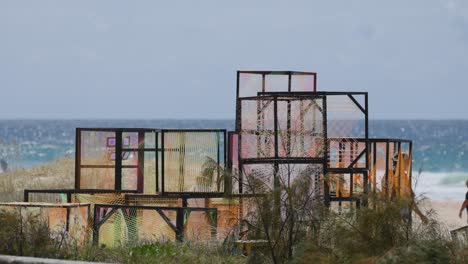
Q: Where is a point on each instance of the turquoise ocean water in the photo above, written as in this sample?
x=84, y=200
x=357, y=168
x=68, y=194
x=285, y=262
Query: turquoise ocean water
x=440, y=147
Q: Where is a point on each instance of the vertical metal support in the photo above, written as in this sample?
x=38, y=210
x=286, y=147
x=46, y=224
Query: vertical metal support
x=141, y=162
x=410, y=172
x=118, y=160
x=288, y=129
x=374, y=166
x=227, y=163
x=263, y=83
x=214, y=224
x=399, y=168
x=95, y=226
x=387, y=166
x=239, y=146
x=341, y=153
x=276, y=165
x=67, y=224
x=351, y=173
x=366, y=136
x=365, y=200
x=288, y=122
x=156, y=145
x=260, y=120
x=239, y=130
x=301, y=126
x=218, y=158
x=162, y=161
x=180, y=223
x=358, y=204
x=238, y=117
x=326, y=187
x=225, y=149
x=182, y=146
x=26, y=196
x=366, y=175
x=77, y=158
x=69, y=198
x=315, y=83
x=259, y=126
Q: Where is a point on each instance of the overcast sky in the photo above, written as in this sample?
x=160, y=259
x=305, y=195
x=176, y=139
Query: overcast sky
x=158, y=59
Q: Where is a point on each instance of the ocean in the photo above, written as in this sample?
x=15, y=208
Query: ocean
x=440, y=146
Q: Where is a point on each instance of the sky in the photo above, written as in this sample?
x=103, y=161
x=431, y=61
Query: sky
x=178, y=59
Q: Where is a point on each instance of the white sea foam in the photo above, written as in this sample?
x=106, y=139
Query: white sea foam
x=440, y=185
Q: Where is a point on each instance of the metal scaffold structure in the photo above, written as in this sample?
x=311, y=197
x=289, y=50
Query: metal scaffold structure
x=138, y=184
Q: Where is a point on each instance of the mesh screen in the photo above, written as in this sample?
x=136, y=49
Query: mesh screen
x=250, y=84
x=233, y=158
x=198, y=226
x=75, y=222
x=133, y=226
x=377, y=168
x=97, y=178
x=343, y=152
x=96, y=147
x=300, y=127
x=153, y=201
x=301, y=174
x=258, y=178
x=97, y=166
x=48, y=197
x=303, y=83
x=346, y=184
x=228, y=215
x=257, y=128
x=346, y=124
x=397, y=178
x=185, y=154
x=122, y=225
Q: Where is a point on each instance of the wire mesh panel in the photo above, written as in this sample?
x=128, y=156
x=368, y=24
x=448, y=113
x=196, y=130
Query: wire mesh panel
x=117, y=225
x=97, y=159
x=228, y=211
x=232, y=182
x=61, y=218
x=275, y=131
x=251, y=83
x=307, y=177
x=346, y=184
x=378, y=166
x=47, y=197
x=390, y=167
x=258, y=178
x=134, y=226
x=347, y=153
x=257, y=128
x=293, y=124
x=116, y=159
x=346, y=126
x=300, y=127
x=198, y=225
x=193, y=161
x=152, y=200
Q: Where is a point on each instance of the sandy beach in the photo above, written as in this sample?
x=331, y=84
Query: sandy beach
x=446, y=211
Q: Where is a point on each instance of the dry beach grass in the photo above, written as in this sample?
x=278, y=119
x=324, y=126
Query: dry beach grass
x=58, y=174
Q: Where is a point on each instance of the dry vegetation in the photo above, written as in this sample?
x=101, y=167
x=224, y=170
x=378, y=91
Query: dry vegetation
x=380, y=233
x=55, y=175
